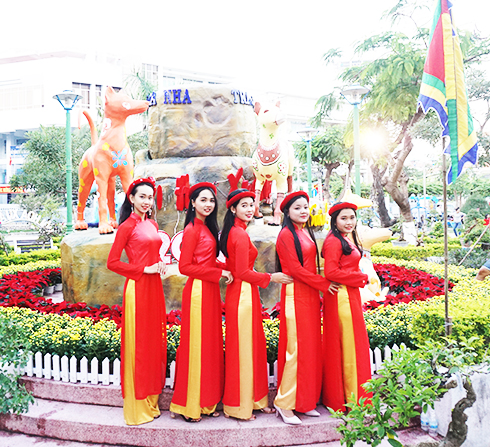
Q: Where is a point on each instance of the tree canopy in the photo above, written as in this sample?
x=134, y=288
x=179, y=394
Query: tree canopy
x=393, y=70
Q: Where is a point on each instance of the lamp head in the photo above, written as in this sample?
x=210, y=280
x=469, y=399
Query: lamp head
x=354, y=94
x=307, y=133
x=67, y=99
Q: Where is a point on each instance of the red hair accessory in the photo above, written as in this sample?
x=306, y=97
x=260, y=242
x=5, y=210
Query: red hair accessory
x=138, y=181
x=341, y=206
x=291, y=196
x=239, y=197
x=201, y=185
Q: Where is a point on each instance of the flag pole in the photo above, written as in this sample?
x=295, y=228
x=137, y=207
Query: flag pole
x=447, y=320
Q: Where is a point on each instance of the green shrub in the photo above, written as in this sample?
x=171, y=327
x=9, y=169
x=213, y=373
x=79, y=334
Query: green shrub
x=476, y=203
x=410, y=252
x=64, y=335
x=14, y=346
x=437, y=230
x=32, y=256
x=29, y=267
x=475, y=259
x=410, y=381
x=469, y=308
x=475, y=232
x=389, y=325
x=271, y=330
x=173, y=341
x=81, y=337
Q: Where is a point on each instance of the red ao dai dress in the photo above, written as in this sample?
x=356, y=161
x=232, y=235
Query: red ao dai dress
x=143, y=337
x=300, y=342
x=246, y=367
x=345, y=341
x=200, y=363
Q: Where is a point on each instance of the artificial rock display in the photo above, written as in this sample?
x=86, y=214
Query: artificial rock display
x=207, y=132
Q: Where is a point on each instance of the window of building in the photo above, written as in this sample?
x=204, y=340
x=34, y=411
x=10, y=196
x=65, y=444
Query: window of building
x=150, y=73
x=191, y=81
x=84, y=91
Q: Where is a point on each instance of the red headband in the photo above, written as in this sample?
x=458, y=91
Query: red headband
x=341, y=206
x=292, y=196
x=239, y=197
x=202, y=185
x=138, y=181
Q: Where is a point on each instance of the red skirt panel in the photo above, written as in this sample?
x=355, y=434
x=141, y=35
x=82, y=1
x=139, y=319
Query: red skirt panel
x=211, y=342
x=150, y=337
x=309, y=343
x=232, y=364
x=333, y=394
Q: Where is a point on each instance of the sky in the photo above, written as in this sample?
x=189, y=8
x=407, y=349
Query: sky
x=272, y=45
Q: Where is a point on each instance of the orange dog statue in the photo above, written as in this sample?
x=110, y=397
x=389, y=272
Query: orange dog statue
x=109, y=156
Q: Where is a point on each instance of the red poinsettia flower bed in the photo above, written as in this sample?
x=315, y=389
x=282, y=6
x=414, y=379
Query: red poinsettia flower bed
x=23, y=290
x=406, y=285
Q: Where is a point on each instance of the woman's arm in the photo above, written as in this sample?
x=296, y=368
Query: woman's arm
x=332, y=252
x=186, y=265
x=114, y=263
x=289, y=259
x=240, y=244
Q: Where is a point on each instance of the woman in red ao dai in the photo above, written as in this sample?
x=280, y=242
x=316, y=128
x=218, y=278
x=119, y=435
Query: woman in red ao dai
x=143, y=338
x=200, y=364
x=300, y=348
x=246, y=381
x=347, y=364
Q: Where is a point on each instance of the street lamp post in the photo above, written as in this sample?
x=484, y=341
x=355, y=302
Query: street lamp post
x=354, y=94
x=307, y=135
x=68, y=99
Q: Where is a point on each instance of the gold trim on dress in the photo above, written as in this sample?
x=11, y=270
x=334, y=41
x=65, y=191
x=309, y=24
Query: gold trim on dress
x=136, y=411
x=348, y=345
x=245, y=356
x=286, y=394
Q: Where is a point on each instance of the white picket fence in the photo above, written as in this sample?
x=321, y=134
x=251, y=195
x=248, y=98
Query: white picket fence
x=82, y=371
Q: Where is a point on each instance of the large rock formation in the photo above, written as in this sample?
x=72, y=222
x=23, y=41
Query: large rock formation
x=207, y=132
x=86, y=277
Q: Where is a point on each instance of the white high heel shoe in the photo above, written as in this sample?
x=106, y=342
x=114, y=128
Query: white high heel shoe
x=293, y=420
x=312, y=413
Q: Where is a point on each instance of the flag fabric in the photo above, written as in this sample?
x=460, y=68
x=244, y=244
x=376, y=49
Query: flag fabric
x=443, y=89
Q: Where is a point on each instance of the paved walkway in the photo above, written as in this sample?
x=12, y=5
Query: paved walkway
x=8, y=439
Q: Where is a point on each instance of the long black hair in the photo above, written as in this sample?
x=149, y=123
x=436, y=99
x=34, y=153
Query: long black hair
x=346, y=248
x=288, y=224
x=229, y=221
x=211, y=221
x=127, y=206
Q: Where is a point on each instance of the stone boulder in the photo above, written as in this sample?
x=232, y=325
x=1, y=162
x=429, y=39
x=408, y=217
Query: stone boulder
x=214, y=123
x=200, y=169
x=86, y=278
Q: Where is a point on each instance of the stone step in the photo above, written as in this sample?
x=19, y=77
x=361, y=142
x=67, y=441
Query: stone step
x=104, y=424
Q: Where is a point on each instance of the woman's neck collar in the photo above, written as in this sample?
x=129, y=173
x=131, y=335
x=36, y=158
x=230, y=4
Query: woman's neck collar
x=240, y=223
x=198, y=220
x=142, y=218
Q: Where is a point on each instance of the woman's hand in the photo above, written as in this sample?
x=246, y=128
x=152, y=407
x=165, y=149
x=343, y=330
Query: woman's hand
x=158, y=267
x=281, y=278
x=229, y=277
x=333, y=287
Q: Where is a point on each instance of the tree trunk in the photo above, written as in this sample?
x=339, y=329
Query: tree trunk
x=458, y=430
x=346, y=180
x=396, y=183
x=378, y=197
x=329, y=167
